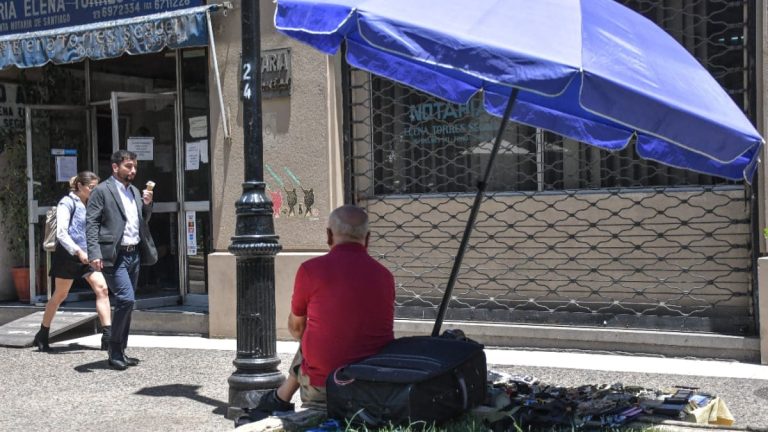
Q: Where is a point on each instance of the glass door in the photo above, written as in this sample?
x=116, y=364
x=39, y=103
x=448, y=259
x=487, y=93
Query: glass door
x=146, y=124
x=57, y=149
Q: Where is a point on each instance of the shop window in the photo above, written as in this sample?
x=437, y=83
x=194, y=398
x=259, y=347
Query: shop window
x=146, y=73
x=420, y=144
x=197, y=178
x=425, y=145
x=194, y=67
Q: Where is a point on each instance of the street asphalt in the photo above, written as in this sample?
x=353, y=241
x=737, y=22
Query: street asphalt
x=181, y=384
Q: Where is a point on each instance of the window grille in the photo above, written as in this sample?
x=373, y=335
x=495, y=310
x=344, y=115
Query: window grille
x=567, y=233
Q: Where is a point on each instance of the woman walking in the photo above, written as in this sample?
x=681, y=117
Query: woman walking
x=70, y=259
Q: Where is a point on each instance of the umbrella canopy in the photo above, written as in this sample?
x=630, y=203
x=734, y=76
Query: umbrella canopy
x=591, y=70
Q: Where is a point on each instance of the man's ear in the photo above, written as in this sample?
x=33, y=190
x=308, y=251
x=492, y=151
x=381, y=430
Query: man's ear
x=329, y=233
x=367, y=237
x=114, y=167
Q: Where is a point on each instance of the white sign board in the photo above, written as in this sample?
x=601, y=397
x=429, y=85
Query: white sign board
x=198, y=127
x=142, y=146
x=66, y=168
x=192, y=156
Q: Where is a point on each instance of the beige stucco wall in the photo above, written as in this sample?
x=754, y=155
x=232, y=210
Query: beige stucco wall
x=301, y=153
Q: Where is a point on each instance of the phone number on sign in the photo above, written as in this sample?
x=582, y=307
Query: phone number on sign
x=167, y=4
x=116, y=10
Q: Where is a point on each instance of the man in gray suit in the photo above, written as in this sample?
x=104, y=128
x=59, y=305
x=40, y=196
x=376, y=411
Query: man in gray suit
x=118, y=243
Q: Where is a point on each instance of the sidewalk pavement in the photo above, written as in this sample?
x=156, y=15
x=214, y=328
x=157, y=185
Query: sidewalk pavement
x=181, y=383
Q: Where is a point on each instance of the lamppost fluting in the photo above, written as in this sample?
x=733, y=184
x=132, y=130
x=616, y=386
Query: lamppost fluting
x=254, y=244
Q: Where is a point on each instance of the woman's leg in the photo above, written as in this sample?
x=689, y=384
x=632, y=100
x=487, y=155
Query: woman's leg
x=99, y=287
x=62, y=289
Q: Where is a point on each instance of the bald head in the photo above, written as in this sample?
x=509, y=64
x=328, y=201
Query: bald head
x=348, y=224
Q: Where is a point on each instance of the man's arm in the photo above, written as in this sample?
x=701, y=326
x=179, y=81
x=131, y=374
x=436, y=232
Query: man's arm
x=147, y=198
x=297, y=319
x=296, y=325
x=92, y=221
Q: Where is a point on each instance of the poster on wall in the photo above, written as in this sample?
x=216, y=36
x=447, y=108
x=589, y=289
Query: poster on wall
x=191, y=233
x=142, y=146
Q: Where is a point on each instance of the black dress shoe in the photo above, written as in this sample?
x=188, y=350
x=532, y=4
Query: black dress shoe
x=270, y=403
x=41, y=339
x=117, y=364
x=131, y=361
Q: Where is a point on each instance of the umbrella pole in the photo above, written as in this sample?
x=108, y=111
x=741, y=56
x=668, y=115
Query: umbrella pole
x=481, y=186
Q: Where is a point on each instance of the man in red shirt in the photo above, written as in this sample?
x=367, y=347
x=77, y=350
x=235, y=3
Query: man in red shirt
x=342, y=310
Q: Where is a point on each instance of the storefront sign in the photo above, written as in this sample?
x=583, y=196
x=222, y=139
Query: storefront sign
x=439, y=122
x=11, y=107
x=21, y=16
x=276, y=73
x=27, y=43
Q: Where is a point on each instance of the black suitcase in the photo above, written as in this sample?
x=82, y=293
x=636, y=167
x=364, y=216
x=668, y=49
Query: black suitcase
x=413, y=379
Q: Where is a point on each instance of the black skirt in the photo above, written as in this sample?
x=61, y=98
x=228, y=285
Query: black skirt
x=66, y=266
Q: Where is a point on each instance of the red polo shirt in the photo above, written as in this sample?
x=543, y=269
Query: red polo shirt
x=348, y=299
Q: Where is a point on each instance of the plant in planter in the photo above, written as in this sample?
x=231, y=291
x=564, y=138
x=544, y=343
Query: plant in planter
x=13, y=204
x=49, y=85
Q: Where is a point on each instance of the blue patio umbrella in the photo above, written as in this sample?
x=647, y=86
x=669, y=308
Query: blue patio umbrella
x=591, y=70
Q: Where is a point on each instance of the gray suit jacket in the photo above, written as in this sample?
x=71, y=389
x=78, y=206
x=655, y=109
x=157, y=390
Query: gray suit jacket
x=105, y=222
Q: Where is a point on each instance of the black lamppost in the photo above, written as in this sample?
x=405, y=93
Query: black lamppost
x=255, y=243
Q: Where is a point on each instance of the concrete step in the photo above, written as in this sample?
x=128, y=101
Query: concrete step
x=161, y=320
x=20, y=333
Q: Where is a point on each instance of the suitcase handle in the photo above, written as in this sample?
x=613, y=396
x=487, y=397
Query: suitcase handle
x=340, y=382
x=464, y=392
x=367, y=419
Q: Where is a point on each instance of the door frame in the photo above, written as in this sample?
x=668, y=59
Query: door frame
x=159, y=207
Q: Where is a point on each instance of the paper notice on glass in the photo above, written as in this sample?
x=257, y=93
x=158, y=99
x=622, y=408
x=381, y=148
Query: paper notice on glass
x=66, y=168
x=203, y=144
x=191, y=233
x=192, y=156
x=198, y=127
x=142, y=146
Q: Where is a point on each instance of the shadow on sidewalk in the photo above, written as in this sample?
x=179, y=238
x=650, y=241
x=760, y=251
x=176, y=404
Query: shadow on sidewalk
x=186, y=391
x=93, y=366
x=71, y=349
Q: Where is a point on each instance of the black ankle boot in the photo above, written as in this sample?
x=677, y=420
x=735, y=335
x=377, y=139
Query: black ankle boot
x=271, y=402
x=106, y=335
x=41, y=339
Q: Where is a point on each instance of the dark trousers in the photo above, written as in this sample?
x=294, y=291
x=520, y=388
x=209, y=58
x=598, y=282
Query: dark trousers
x=121, y=280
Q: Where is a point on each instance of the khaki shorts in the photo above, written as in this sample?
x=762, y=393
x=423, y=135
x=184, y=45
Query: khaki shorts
x=311, y=396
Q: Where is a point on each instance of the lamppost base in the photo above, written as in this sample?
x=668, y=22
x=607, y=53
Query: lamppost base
x=246, y=389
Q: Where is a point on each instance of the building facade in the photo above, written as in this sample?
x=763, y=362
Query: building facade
x=570, y=238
